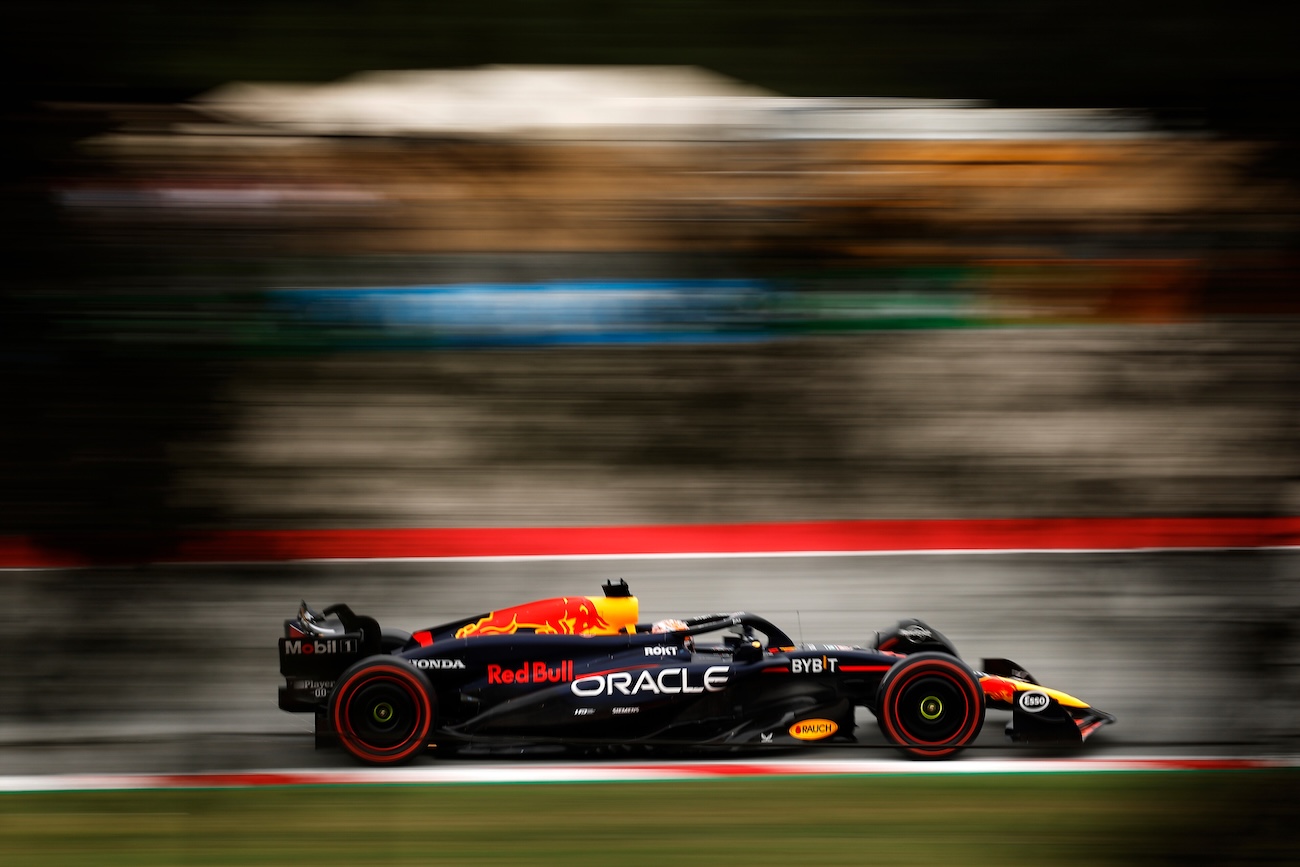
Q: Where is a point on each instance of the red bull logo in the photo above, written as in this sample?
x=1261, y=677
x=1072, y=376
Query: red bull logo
x=565, y=615
x=531, y=672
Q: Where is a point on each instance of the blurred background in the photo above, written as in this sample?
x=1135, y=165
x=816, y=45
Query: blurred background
x=276, y=264
x=269, y=264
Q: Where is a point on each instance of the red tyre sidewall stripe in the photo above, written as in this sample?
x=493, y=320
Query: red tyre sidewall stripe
x=891, y=699
x=406, y=680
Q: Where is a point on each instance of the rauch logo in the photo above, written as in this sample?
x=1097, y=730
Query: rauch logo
x=813, y=729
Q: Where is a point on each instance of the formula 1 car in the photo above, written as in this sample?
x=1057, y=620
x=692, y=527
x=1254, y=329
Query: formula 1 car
x=580, y=672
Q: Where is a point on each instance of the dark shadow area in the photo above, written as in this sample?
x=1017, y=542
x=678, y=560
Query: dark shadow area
x=97, y=410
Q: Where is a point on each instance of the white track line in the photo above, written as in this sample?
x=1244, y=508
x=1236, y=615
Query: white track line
x=532, y=773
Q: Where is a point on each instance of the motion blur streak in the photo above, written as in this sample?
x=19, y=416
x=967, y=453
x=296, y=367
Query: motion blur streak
x=592, y=772
x=289, y=286
x=884, y=536
x=689, y=299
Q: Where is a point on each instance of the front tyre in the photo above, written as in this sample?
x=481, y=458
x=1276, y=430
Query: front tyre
x=930, y=705
x=382, y=711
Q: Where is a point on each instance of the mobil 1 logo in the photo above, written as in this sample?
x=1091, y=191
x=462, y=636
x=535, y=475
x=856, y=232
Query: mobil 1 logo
x=318, y=647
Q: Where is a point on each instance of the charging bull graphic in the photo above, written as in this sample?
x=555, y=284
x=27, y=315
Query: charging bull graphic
x=563, y=615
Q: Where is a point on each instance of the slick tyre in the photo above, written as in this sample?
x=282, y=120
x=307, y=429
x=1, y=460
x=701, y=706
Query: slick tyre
x=930, y=706
x=382, y=711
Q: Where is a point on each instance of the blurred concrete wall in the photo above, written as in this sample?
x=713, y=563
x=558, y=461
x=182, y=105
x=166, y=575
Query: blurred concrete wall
x=1133, y=420
x=1171, y=420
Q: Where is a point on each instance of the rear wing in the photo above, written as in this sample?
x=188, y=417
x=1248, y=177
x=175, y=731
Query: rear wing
x=317, y=648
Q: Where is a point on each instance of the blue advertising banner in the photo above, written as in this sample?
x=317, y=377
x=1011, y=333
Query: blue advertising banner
x=552, y=313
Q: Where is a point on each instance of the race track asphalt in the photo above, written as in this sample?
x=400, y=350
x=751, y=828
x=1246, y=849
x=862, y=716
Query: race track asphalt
x=172, y=669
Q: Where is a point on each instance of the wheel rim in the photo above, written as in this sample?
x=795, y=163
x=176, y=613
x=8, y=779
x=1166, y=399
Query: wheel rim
x=383, y=713
x=931, y=708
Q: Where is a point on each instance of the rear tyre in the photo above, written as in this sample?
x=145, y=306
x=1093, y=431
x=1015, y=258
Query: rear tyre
x=930, y=706
x=382, y=711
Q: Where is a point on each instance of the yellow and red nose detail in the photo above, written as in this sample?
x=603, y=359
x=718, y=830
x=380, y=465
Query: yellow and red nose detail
x=998, y=689
x=1002, y=690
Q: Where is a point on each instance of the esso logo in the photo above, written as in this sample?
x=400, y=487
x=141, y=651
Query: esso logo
x=1034, y=702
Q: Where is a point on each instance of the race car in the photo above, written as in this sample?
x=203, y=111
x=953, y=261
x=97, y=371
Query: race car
x=579, y=672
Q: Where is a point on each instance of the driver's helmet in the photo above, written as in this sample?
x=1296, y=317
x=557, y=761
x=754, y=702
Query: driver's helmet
x=672, y=624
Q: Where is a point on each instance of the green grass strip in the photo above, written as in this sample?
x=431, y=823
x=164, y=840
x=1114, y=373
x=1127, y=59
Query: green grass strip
x=1178, y=818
